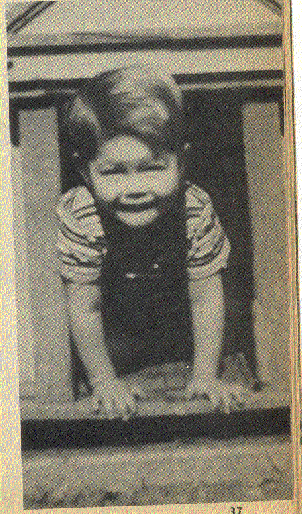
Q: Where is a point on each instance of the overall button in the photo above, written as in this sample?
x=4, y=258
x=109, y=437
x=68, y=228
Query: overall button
x=131, y=275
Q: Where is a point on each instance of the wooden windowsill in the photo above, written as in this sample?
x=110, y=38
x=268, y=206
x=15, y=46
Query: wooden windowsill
x=164, y=416
x=30, y=410
x=165, y=387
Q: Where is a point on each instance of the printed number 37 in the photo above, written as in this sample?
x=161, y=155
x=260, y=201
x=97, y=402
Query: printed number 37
x=236, y=510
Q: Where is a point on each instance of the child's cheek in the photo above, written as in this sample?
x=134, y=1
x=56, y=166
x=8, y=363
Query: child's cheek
x=168, y=183
x=107, y=188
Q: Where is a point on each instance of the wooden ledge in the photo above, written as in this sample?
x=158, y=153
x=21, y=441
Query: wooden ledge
x=165, y=388
x=165, y=406
x=164, y=416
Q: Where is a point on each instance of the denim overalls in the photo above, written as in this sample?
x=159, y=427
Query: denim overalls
x=146, y=311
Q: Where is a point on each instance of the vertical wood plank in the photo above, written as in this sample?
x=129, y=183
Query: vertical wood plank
x=267, y=195
x=41, y=186
x=25, y=331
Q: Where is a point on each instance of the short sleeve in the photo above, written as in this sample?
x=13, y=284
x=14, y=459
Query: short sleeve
x=208, y=245
x=80, y=243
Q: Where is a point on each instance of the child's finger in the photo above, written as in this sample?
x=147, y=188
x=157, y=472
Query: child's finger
x=226, y=403
x=240, y=394
x=109, y=408
x=239, y=400
x=130, y=401
x=95, y=403
x=123, y=411
x=214, y=399
x=193, y=389
x=189, y=392
x=125, y=406
x=230, y=400
x=131, y=406
x=197, y=392
x=138, y=391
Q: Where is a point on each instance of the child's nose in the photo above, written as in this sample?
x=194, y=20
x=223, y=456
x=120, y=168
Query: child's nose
x=131, y=169
x=136, y=185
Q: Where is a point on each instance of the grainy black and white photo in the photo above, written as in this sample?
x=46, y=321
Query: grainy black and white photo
x=152, y=252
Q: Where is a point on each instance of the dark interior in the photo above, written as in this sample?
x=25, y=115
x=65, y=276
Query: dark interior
x=215, y=161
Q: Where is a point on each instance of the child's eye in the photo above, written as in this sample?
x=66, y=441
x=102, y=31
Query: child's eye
x=113, y=170
x=120, y=169
x=156, y=166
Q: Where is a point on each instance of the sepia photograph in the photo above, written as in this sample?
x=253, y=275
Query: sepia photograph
x=154, y=232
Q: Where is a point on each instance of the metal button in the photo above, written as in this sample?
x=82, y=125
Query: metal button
x=131, y=275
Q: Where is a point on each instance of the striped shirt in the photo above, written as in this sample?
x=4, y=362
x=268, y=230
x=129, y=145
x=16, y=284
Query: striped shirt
x=82, y=242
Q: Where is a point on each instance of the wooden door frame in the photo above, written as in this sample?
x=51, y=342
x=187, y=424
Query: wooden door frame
x=30, y=94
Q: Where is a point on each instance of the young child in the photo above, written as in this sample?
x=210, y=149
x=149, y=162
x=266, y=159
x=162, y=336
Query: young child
x=138, y=243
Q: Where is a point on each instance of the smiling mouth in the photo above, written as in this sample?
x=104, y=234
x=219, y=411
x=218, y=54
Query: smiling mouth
x=136, y=202
x=138, y=207
x=137, y=218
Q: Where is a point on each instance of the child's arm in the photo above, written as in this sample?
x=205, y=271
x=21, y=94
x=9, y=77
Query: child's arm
x=87, y=328
x=207, y=306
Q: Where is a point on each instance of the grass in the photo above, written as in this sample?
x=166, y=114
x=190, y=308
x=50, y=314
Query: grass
x=69, y=496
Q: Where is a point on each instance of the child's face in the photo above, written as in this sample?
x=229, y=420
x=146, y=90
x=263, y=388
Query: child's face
x=132, y=181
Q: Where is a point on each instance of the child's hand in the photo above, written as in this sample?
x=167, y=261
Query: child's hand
x=221, y=394
x=116, y=397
